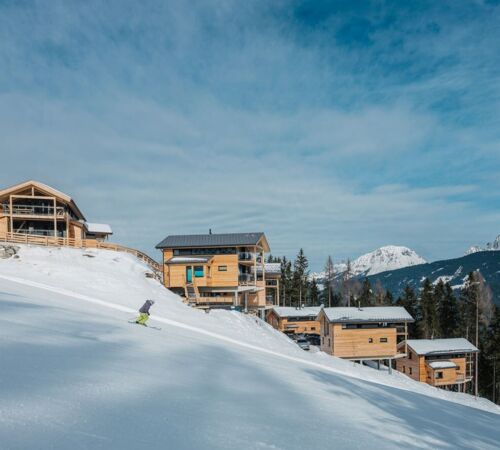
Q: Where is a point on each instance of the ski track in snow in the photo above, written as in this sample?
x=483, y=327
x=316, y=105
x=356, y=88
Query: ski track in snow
x=175, y=324
x=198, y=330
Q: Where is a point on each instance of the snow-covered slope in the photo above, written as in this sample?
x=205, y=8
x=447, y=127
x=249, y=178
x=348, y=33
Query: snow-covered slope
x=390, y=257
x=490, y=246
x=75, y=374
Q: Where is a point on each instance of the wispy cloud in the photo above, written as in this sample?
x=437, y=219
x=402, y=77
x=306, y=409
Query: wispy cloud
x=330, y=127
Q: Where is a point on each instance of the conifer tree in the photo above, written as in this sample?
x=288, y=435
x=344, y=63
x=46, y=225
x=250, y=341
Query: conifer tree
x=379, y=293
x=410, y=302
x=300, y=274
x=429, y=324
x=286, y=281
x=490, y=384
x=314, y=293
x=447, y=311
x=388, y=298
x=329, y=280
x=347, y=284
x=366, y=296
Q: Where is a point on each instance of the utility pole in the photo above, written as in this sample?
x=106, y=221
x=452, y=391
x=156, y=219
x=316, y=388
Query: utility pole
x=494, y=359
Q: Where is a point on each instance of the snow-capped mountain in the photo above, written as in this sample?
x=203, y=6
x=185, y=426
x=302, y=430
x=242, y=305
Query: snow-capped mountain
x=490, y=246
x=390, y=257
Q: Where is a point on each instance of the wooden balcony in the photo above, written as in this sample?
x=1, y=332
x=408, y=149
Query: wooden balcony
x=34, y=211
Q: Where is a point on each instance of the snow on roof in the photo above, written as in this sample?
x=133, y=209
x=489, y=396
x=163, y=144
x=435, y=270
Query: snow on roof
x=441, y=346
x=271, y=268
x=288, y=311
x=98, y=228
x=442, y=365
x=189, y=259
x=368, y=314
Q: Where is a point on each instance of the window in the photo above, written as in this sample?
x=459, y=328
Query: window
x=409, y=370
x=198, y=271
x=438, y=376
x=404, y=369
x=383, y=339
x=222, y=268
x=409, y=354
x=313, y=328
x=370, y=340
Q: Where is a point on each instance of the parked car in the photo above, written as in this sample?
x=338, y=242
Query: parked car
x=314, y=339
x=303, y=343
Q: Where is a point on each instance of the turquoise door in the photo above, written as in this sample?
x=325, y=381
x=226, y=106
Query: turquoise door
x=189, y=274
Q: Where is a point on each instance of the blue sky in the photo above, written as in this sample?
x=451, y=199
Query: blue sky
x=334, y=126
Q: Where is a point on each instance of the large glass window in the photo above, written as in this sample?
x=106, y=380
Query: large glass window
x=205, y=251
x=198, y=271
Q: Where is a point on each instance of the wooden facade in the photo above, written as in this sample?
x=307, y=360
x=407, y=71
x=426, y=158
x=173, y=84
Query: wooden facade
x=447, y=363
x=294, y=321
x=225, y=270
x=35, y=209
x=356, y=334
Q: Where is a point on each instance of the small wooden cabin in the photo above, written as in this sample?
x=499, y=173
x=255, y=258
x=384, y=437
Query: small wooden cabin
x=368, y=333
x=217, y=270
x=447, y=363
x=294, y=320
x=35, y=209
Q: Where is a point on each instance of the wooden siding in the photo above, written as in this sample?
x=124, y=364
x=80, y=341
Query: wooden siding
x=452, y=375
x=175, y=274
x=297, y=327
x=4, y=224
x=352, y=343
x=416, y=364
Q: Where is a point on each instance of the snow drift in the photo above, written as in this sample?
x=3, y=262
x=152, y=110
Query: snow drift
x=75, y=374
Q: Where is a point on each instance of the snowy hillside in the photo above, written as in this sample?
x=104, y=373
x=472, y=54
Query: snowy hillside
x=490, y=246
x=76, y=374
x=386, y=258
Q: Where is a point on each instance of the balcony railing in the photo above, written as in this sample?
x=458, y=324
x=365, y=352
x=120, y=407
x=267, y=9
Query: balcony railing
x=34, y=210
x=246, y=278
x=246, y=256
x=41, y=233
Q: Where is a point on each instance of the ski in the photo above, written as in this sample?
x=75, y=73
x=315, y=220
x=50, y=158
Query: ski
x=146, y=326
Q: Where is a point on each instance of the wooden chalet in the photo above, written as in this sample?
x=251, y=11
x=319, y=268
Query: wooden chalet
x=368, y=333
x=294, y=320
x=35, y=209
x=217, y=270
x=446, y=363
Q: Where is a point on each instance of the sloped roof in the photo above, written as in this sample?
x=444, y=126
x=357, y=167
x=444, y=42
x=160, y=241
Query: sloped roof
x=189, y=259
x=442, y=365
x=213, y=240
x=368, y=314
x=441, y=346
x=103, y=228
x=44, y=188
x=288, y=311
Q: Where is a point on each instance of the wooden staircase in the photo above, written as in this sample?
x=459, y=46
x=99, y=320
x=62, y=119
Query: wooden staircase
x=191, y=293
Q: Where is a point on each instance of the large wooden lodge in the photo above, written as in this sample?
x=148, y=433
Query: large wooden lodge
x=447, y=363
x=217, y=270
x=35, y=209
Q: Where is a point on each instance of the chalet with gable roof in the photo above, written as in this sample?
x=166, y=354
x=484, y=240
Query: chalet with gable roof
x=446, y=363
x=368, y=333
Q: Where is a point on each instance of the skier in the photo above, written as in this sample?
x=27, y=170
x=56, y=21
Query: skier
x=144, y=312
